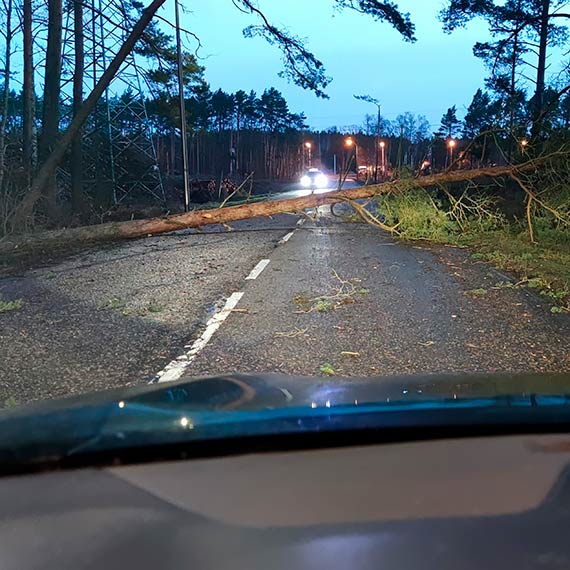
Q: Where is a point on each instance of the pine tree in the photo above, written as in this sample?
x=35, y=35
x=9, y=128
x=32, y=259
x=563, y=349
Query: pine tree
x=520, y=28
x=480, y=116
x=449, y=123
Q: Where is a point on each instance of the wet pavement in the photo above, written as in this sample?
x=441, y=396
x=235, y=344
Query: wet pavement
x=334, y=297
x=111, y=317
x=347, y=298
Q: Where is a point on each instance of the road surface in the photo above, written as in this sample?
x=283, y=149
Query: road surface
x=302, y=296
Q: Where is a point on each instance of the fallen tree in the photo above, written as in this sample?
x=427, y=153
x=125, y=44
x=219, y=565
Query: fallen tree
x=300, y=65
x=198, y=218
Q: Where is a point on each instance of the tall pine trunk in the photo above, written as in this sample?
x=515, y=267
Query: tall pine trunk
x=6, y=91
x=238, y=142
x=512, y=93
x=50, y=116
x=538, y=105
x=77, y=196
x=29, y=96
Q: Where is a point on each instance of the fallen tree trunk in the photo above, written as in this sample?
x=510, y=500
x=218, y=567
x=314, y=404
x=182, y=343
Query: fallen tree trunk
x=198, y=218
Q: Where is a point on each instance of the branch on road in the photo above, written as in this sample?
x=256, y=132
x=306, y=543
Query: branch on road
x=369, y=217
x=198, y=218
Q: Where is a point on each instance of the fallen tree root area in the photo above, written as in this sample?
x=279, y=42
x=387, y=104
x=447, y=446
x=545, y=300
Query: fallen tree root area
x=70, y=237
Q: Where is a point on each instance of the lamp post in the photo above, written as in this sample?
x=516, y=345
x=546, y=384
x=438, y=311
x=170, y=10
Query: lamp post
x=451, y=144
x=182, y=110
x=309, y=146
x=524, y=144
x=383, y=161
x=349, y=143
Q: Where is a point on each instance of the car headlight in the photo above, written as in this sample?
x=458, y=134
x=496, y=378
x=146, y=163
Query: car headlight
x=321, y=180
x=306, y=181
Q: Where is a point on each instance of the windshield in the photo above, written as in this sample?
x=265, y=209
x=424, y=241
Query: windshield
x=341, y=191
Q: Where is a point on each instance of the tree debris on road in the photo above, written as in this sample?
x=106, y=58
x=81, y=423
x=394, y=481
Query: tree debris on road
x=198, y=218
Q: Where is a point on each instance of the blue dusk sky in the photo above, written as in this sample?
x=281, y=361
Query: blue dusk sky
x=362, y=57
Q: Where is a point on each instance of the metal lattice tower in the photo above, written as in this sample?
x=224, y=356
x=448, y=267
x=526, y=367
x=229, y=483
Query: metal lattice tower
x=119, y=151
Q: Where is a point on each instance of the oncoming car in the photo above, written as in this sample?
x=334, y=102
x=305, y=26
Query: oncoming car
x=314, y=178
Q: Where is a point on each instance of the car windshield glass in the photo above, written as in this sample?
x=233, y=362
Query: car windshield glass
x=339, y=193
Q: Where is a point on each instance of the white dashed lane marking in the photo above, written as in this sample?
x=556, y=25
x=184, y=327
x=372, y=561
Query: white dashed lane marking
x=256, y=271
x=286, y=237
x=176, y=368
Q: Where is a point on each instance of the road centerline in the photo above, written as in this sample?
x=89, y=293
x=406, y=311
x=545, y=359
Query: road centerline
x=174, y=370
x=286, y=237
x=256, y=271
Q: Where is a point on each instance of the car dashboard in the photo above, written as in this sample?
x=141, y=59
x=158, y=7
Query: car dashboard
x=490, y=502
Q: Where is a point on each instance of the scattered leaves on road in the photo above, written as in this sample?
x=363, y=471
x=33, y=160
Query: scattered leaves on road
x=350, y=354
x=339, y=295
x=301, y=299
x=155, y=308
x=291, y=334
x=323, y=306
x=327, y=369
x=14, y=305
x=558, y=295
x=479, y=292
x=546, y=290
x=504, y=285
x=11, y=402
x=114, y=304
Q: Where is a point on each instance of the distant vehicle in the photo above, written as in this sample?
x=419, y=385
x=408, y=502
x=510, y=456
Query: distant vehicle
x=314, y=178
x=364, y=172
x=425, y=168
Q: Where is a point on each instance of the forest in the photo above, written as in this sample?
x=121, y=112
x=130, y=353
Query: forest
x=90, y=95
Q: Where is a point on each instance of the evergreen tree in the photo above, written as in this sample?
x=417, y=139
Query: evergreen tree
x=480, y=116
x=520, y=29
x=449, y=123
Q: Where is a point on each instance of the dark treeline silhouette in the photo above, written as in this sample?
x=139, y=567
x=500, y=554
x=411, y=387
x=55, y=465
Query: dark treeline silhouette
x=129, y=149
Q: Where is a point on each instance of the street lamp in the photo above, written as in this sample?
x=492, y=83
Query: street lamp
x=309, y=146
x=451, y=144
x=350, y=142
x=524, y=143
x=383, y=161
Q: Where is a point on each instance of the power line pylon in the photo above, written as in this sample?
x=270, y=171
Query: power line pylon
x=120, y=158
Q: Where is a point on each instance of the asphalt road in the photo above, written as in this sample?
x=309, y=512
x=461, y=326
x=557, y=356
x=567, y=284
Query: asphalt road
x=346, y=297
x=334, y=296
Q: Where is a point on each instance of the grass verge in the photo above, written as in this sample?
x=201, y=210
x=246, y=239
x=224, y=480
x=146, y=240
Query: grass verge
x=477, y=224
x=544, y=265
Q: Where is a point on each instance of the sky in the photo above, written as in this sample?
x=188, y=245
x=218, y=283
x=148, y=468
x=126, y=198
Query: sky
x=361, y=55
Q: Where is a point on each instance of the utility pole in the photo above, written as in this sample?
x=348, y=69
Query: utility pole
x=182, y=110
x=376, y=145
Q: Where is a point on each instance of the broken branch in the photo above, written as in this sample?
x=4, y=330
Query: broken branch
x=198, y=218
